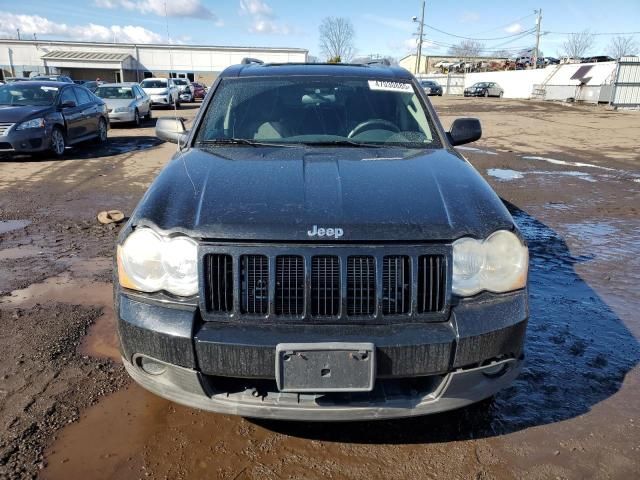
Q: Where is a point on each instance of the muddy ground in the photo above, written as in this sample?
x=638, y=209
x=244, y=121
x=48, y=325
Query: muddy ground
x=570, y=176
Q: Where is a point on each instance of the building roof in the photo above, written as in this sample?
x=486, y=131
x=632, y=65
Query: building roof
x=84, y=55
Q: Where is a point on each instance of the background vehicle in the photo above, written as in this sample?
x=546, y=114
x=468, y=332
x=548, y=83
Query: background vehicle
x=41, y=116
x=431, y=87
x=52, y=78
x=484, y=89
x=199, y=90
x=126, y=102
x=185, y=89
x=88, y=84
x=213, y=303
x=16, y=79
x=162, y=91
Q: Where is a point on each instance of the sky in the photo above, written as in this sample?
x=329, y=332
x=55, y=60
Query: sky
x=382, y=27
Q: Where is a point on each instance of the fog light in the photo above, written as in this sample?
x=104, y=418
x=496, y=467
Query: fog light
x=496, y=370
x=151, y=366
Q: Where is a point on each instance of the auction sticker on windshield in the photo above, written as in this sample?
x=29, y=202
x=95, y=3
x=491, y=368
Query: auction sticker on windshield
x=388, y=86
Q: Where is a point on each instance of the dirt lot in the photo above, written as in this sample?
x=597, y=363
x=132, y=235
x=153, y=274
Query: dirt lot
x=569, y=174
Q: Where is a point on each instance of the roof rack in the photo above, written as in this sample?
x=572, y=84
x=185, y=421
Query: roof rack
x=249, y=61
x=382, y=61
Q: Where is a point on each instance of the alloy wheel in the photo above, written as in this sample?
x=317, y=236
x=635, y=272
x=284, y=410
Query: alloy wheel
x=57, y=142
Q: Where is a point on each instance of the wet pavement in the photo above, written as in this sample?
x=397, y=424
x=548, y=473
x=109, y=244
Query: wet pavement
x=572, y=413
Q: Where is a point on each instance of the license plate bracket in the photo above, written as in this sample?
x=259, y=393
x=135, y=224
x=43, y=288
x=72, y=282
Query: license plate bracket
x=325, y=367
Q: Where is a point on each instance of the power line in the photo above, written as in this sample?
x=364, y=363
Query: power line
x=531, y=30
x=591, y=33
x=506, y=24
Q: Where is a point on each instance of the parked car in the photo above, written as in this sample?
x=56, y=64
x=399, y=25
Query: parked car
x=15, y=79
x=199, y=91
x=89, y=84
x=185, y=89
x=126, y=102
x=162, y=91
x=484, y=89
x=597, y=59
x=431, y=87
x=319, y=251
x=52, y=78
x=524, y=60
x=39, y=116
x=551, y=61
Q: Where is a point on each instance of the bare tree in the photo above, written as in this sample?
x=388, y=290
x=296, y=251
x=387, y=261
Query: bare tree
x=336, y=38
x=577, y=44
x=467, y=49
x=621, y=46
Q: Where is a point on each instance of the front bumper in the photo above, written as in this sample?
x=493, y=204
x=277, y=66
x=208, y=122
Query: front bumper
x=422, y=368
x=25, y=141
x=160, y=99
x=474, y=94
x=120, y=117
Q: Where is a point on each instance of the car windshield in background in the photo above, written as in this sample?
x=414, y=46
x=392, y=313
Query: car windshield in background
x=318, y=111
x=153, y=84
x=180, y=82
x=426, y=83
x=481, y=84
x=27, y=94
x=114, y=92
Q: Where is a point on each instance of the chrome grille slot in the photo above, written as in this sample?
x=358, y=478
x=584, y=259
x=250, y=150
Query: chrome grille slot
x=431, y=283
x=254, y=283
x=219, y=283
x=325, y=286
x=396, y=285
x=361, y=285
x=289, y=285
x=5, y=127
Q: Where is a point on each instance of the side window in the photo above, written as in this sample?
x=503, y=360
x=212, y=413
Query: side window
x=67, y=95
x=83, y=96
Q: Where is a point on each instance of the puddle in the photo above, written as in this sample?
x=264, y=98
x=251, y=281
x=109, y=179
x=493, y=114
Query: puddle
x=22, y=251
x=504, y=174
x=564, y=162
x=101, y=340
x=476, y=150
x=11, y=225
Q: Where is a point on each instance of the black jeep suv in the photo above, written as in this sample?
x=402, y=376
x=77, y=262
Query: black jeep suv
x=317, y=250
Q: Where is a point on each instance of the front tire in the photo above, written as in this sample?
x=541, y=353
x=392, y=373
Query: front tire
x=58, y=143
x=102, y=131
x=148, y=115
x=137, y=121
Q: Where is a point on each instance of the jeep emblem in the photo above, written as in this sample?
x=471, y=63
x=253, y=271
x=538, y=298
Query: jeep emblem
x=325, y=232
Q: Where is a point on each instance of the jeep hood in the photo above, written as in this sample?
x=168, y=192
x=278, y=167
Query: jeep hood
x=267, y=193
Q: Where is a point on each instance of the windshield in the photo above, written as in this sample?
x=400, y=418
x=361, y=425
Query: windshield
x=318, y=110
x=27, y=94
x=114, y=92
x=154, y=84
x=481, y=84
x=428, y=83
x=180, y=82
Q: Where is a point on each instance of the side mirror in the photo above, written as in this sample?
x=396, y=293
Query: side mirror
x=464, y=130
x=171, y=130
x=68, y=104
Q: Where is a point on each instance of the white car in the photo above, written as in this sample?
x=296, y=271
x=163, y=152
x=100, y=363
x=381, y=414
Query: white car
x=163, y=91
x=185, y=89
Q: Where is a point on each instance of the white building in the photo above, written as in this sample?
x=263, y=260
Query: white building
x=130, y=62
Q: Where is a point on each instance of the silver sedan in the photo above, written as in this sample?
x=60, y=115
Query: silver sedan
x=126, y=102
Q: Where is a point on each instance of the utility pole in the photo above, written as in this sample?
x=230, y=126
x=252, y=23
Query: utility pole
x=538, y=22
x=420, y=38
x=18, y=30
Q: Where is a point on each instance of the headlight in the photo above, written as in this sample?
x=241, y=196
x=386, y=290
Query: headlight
x=498, y=264
x=149, y=263
x=123, y=109
x=35, y=123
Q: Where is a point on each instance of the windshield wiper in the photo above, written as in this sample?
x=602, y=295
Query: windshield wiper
x=241, y=141
x=342, y=143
